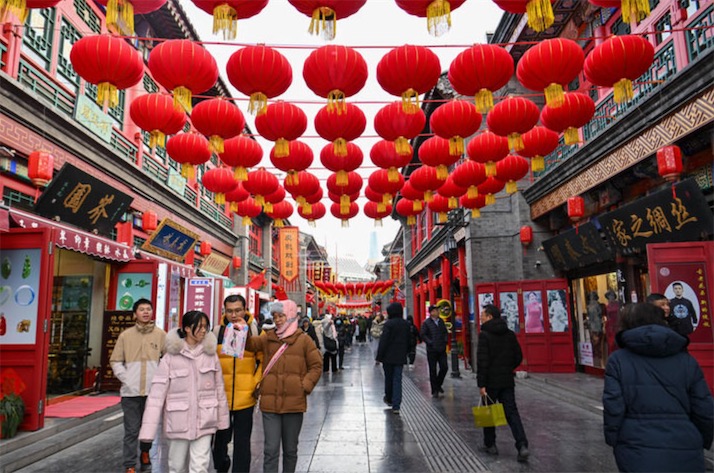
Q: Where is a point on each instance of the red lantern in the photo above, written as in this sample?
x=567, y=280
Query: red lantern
x=426, y=180
x=440, y=205
x=352, y=186
x=238, y=194
x=540, y=12
x=126, y=9
x=538, y=142
x=261, y=183
x=337, y=198
x=487, y=148
x=511, y=118
x=475, y=204
x=377, y=197
x=371, y=210
x=248, y=209
x=341, y=164
x=669, y=162
x=19, y=9
x=489, y=187
x=576, y=112
x=454, y=121
x=259, y=72
x=469, y=175
x=436, y=152
x=307, y=184
x=40, y=166
x=149, y=221
x=281, y=211
x=576, y=208
x=550, y=65
x=339, y=127
x=526, y=235
x=512, y=169
x=281, y=122
x=205, y=248
x=344, y=213
x=415, y=196
x=409, y=71
x=335, y=73
x=617, y=62
x=384, y=155
x=379, y=182
x=479, y=71
x=275, y=197
x=405, y=208
x=188, y=149
x=298, y=159
x=226, y=13
x=311, y=200
x=183, y=67
x=436, y=12
x=108, y=62
x=393, y=123
x=218, y=119
x=315, y=212
x=155, y=113
x=241, y=152
x=452, y=191
x=219, y=181
x=236, y=262
x=632, y=10
x=325, y=13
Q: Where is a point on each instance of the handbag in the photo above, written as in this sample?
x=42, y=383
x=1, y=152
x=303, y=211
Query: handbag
x=330, y=344
x=489, y=415
x=256, y=390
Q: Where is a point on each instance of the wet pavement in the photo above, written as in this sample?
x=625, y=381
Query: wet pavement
x=348, y=428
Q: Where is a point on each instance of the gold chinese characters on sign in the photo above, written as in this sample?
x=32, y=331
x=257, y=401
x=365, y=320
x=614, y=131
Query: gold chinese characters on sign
x=289, y=253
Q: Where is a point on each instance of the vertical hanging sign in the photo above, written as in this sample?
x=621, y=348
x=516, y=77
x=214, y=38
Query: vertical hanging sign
x=289, y=253
x=395, y=267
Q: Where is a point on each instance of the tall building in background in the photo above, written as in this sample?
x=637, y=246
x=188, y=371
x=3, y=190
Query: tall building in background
x=373, y=253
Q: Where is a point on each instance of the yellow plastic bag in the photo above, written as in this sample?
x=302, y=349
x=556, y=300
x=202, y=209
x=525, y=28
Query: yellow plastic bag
x=489, y=415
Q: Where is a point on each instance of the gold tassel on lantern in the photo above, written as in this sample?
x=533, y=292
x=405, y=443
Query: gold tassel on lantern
x=411, y=220
x=107, y=93
x=120, y=9
x=490, y=199
x=341, y=179
x=387, y=199
x=381, y=206
x=293, y=179
x=225, y=20
x=540, y=15
x=571, y=136
x=336, y=102
x=259, y=199
x=157, y=137
x=241, y=174
x=401, y=146
x=538, y=164
x=182, y=99
x=258, y=103
x=345, y=204
x=188, y=171
x=282, y=148
x=428, y=196
x=515, y=142
x=340, y=147
x=443, y=217
x=483, y=100
x=636, y=10
x=307, y=208
x=623, y=91
x=267, y=207
x=511, y=187
x=234, y=206
x=392, y=175
x=278, y=223
x=17, y=8
x=554, y=96
x=300, y=201
x=453, y=203
x=442, y=172
x=472, y=192
x=438, y=17
x=220, y=198
x=417, y=206
x=215, y=144
x=246, y=221
x=325, y=19
x=490, y=169
x=475, y=213
x=410, y=101
x=456, y=146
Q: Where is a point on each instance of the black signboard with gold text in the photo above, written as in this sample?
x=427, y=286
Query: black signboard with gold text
x=577, y=248
x=115, y=322
x=171, y=240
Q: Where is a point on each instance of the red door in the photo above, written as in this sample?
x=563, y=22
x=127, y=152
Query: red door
x=26, y=269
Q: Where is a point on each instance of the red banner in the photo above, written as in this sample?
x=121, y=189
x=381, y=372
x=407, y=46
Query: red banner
x=289, y=245
x=396, y=267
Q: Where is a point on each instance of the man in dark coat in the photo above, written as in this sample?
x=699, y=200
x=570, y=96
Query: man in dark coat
x=392, y=353
x=497, y=356
x=435, y=335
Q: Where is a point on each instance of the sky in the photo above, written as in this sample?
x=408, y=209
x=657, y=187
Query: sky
x=378, y=27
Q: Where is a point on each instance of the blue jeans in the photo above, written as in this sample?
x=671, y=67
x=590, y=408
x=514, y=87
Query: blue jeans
x=393, y=384
x=507, y=397
x=277, y=428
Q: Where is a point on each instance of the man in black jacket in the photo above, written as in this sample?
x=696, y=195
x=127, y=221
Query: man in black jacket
x=497, y=356
x=435, y=335
x=392, y=353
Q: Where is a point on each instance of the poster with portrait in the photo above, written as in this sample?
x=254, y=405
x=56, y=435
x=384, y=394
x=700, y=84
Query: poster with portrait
x=533, y=304
x=509, y=309
x=557, y=311
x=484, y=299
x=686, y=288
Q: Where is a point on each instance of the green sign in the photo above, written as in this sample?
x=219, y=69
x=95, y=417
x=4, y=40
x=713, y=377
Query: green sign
x=89, y=114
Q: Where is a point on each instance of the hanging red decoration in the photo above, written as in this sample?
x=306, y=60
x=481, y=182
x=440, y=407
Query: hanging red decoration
x=489, y=188
x=307, y=184
x=384, y=155
x=436, y=12
x=340, y=127
x=149, y=221
x=248, y=209
x=189, y=150
x=241, y=153
x=281, y=122
x=344, y=213
x=238, y=194
x=110, y=63
x=281, y=211
x=469, y=175
x=512, y=169
x=475, y=204
x=550, y=65
x=335, y=73
x=218, y=119
x=632, y=10
x=526, y=235
x=155, y=114
x=236, y=262
x=452, y=191
x=299, y=158
x=487, y=148
x=576, y=208
x=415, y=196
x=260, y=72
x=409, y=71
x=376, y=197
x=261, y=183
x=405, y=208
x=479, y=71
x=311, y=200
x=669, y=162
x=440, y=205
x=183, y=67
x=455, y=121
x=511, y=118
x=380, y=183
x=219, y=181
x=337, y=198
x=435, y=152
x=393, y=123
x=19, y=9
x=540, y=12
x=277, y=196
x=352, y=186
x=537, y=143
x=315, y=212
x=205, y=248
x=226, y=13
x=617, y=62
x=372, y=211
x=325, y=13
x=425, y=179
x=577, y=110
x=120, y=13
x=341, y=164
x=40, y=166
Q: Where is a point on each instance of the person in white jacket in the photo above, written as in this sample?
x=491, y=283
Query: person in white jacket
x=188, y=392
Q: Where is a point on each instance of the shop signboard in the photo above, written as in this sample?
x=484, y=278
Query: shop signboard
x=75, y=197
x=171, y=240
x=676, y=214
x=289, y=253
x=200, y=294
x=115, y=322
x=215, y=264
x=577, y=248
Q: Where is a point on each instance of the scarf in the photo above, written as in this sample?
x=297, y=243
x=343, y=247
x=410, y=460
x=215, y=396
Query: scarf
x=290, y=326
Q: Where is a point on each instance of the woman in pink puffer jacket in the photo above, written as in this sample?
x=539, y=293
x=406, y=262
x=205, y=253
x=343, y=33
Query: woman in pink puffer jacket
x=187, y=390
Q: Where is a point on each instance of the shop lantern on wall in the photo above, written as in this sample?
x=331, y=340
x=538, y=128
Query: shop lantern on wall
x=436, y=12
x=669, y=162
x=205, y=248
x=40, y=166
x=237, y=262
x=576, y=208
x=259, y=72
x=149, y=221
x=226, y=13
x=526, y=235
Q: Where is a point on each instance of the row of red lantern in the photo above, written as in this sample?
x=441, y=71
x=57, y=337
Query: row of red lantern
x=374, y=288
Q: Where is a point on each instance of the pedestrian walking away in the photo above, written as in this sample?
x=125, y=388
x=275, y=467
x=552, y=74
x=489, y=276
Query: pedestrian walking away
x=435, y=335
x=658, y=410
x=134, y=361
x=330, y=345
x=240, y=376
x=497, y=356
x=392, y=353
x=414, y=340
x=188, y=394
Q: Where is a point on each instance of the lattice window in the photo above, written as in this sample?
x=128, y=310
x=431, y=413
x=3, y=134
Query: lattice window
x=700, y=39
x=68, y=36
x=663, y=26
x=653, y=4
x=37, y=40
x=150, y=85
x=619, y=27
x=117, y=113
x=10, y=196
x=85, y=12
